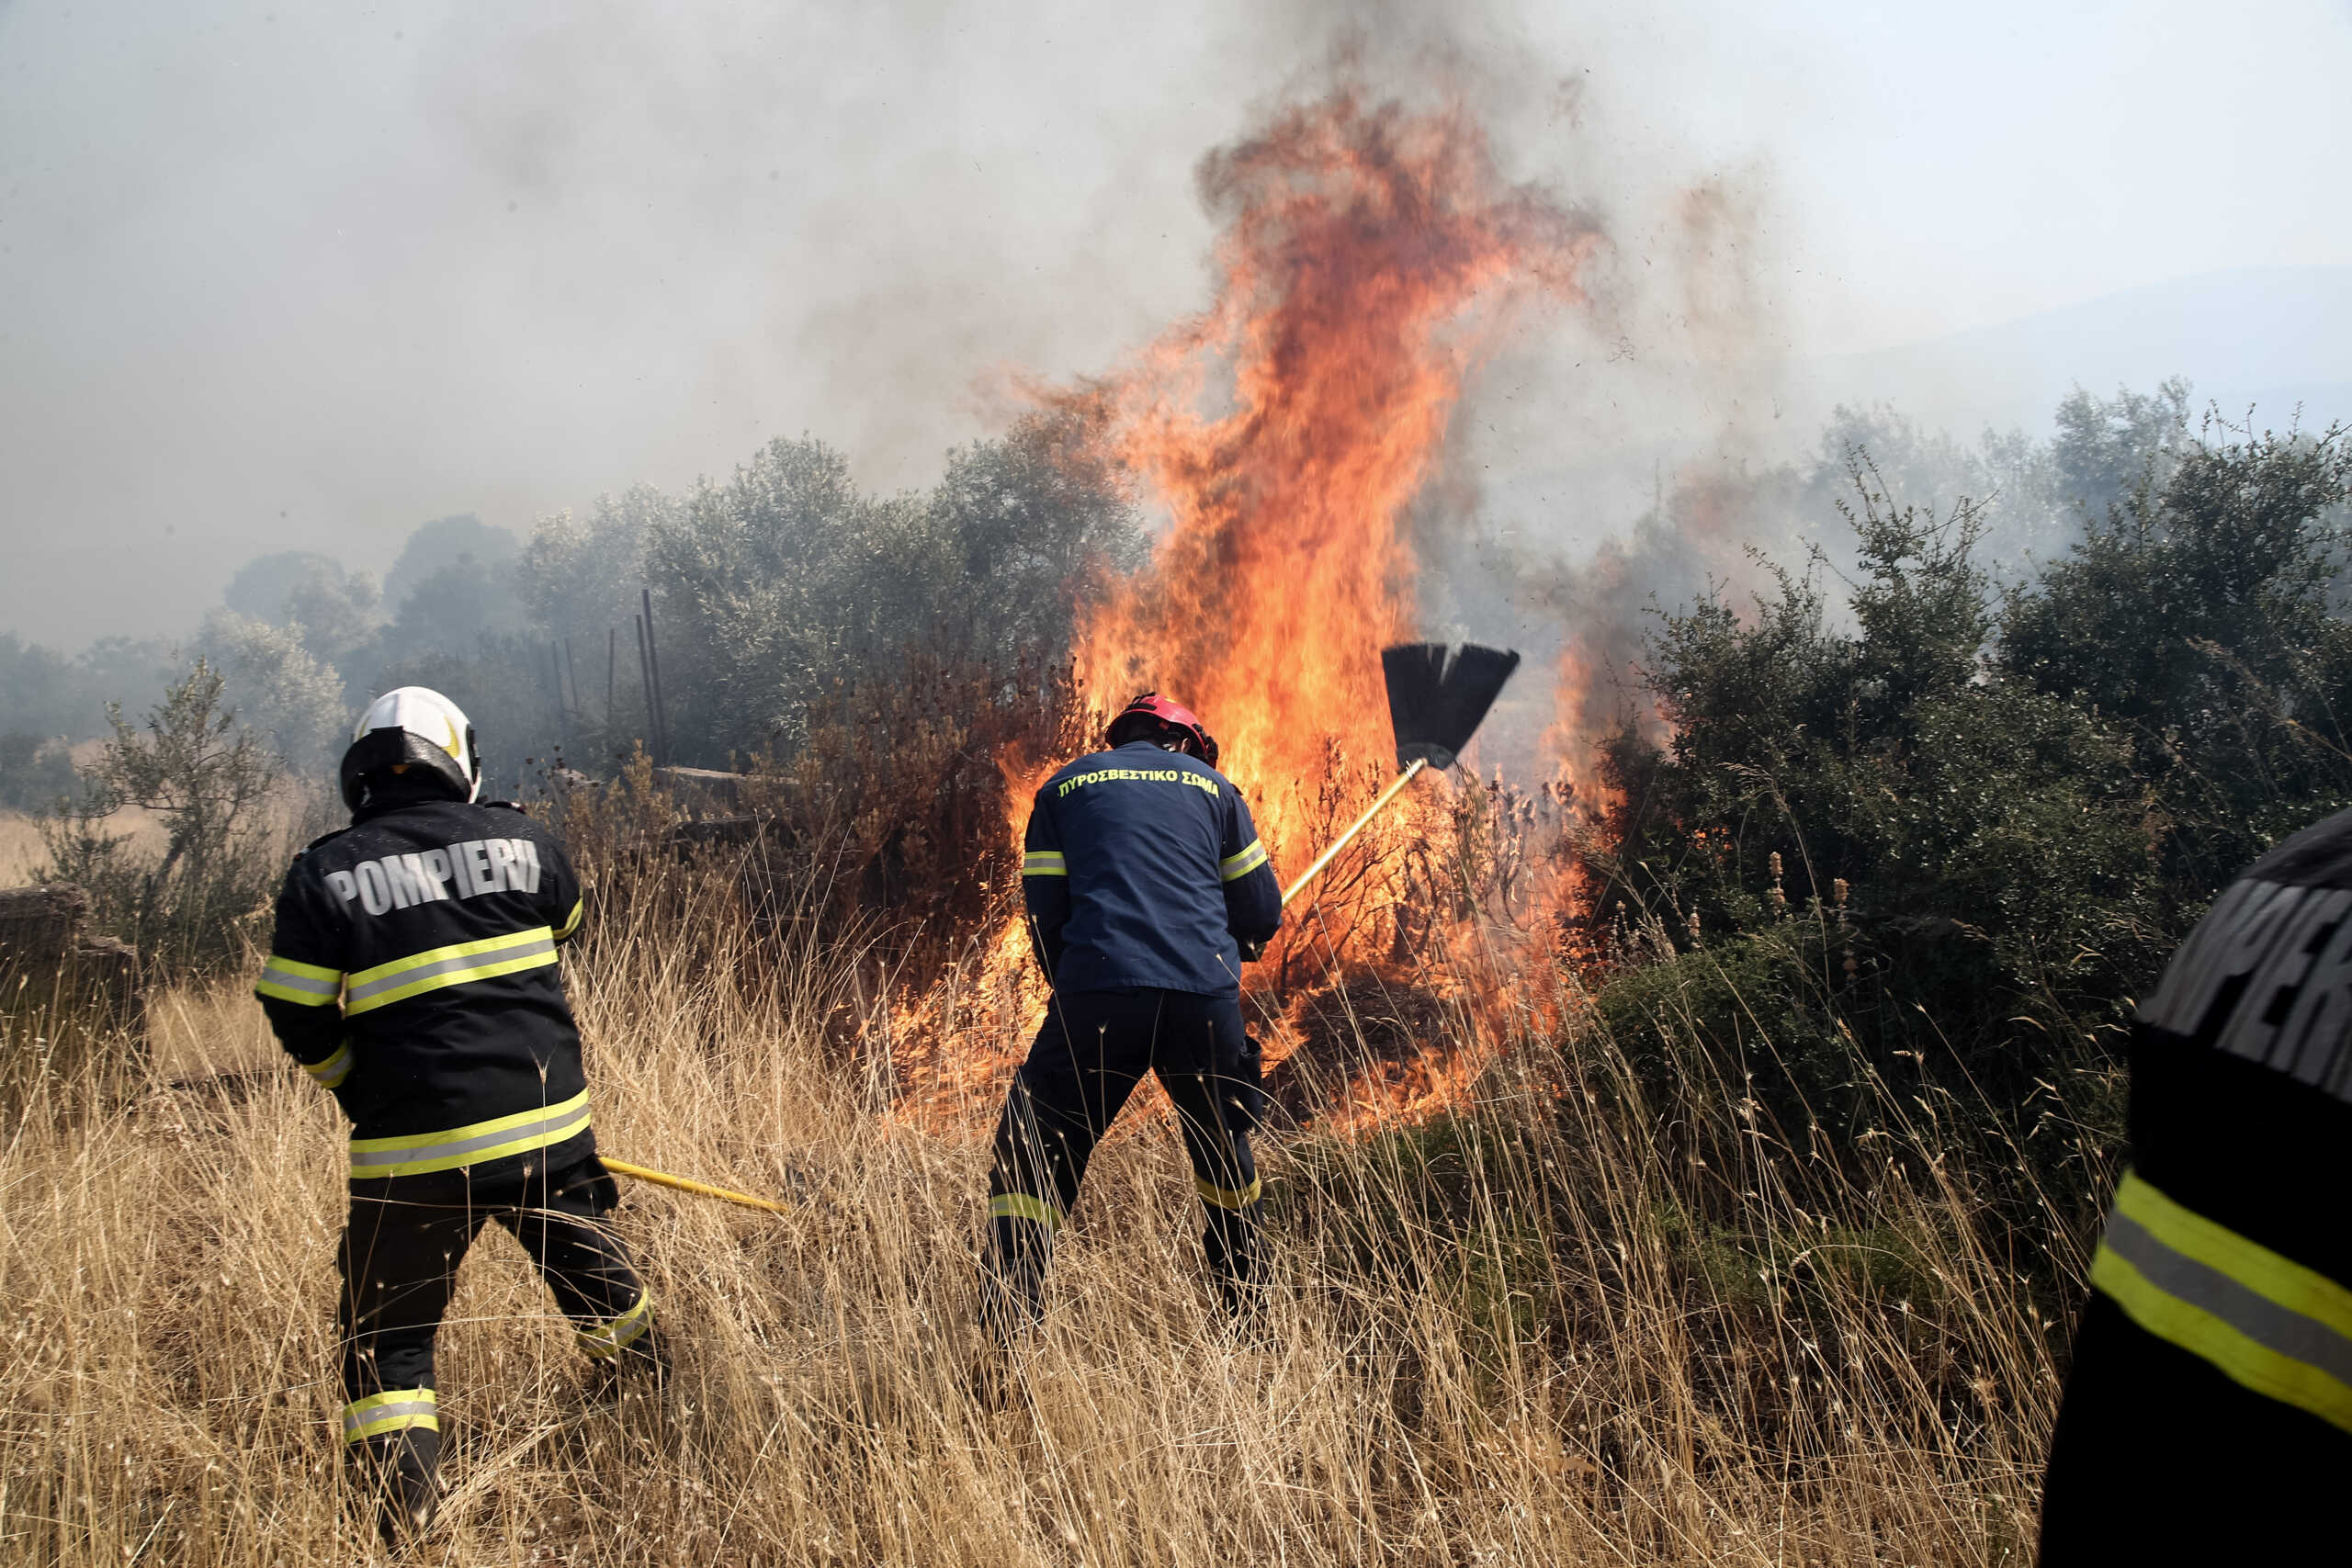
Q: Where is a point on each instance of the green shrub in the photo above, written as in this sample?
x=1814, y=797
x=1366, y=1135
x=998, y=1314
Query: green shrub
x=1923, y=862
x=36, y=772
x=216, y=788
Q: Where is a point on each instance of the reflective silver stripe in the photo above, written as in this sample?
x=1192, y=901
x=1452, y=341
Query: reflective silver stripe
x=438, y=1151
x=540, y=945
x=2273, y=1327
x=1236, y=866
x=389, y=1412
x=278, y=974
x=611, y=1339
x=303, y=985
x=334, y=1069
x=354, y=1420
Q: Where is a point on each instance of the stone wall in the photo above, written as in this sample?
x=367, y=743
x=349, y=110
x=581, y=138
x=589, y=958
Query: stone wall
x=59, y=980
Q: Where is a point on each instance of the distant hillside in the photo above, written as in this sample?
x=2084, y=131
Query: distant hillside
x=2271, y=337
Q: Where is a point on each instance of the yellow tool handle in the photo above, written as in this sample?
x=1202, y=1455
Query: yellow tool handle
x=664, y=1179
x=1341, y=841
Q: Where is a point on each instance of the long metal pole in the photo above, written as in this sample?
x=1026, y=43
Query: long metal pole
x=683, y=1184
x=1341, y=841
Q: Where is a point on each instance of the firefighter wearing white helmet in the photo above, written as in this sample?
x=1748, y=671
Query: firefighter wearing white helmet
x=414, y=974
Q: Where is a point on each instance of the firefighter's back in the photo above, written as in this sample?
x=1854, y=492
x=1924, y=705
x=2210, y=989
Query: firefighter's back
x=1147, y=839
x=2211, y=1403
x=442, y=918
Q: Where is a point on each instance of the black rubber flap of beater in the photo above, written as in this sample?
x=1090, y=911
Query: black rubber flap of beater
x=1438, y=693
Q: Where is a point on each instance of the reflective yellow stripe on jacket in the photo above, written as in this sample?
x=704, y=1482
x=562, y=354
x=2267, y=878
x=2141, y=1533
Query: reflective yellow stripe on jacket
x=2266, y=1321
x=453, y=965
x=331, y=1073
x=1234, y=867
x=416, y=1154
x=304, y=985
x=1044, y=862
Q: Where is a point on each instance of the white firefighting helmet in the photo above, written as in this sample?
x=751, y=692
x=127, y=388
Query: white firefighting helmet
x=410, y=731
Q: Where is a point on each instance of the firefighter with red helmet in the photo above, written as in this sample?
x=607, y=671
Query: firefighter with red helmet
x=414, y=974
x=1147, y=888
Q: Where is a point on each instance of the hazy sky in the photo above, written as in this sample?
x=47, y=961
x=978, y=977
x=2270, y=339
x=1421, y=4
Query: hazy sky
x=280, y=275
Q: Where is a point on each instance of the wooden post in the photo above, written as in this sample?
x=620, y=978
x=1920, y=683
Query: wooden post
x=645, y=681
x=653, y=663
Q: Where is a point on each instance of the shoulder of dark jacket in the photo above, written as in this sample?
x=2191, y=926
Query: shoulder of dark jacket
x=1227, y=788
x=505, y=805
x=322, y=840
x=2319, y=856
x=1097, y=762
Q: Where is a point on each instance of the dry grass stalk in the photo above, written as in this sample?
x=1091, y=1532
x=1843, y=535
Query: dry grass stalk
x=21, y=854
x=1501, y=1339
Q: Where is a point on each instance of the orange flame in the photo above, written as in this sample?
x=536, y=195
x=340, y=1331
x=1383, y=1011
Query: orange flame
x=1370, y=255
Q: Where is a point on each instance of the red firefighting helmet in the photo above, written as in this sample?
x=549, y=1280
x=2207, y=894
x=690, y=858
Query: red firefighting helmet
x=1153, y=718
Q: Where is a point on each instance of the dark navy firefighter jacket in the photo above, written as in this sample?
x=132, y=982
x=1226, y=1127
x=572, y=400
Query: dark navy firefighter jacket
x=1143, y=871
x=413, y=973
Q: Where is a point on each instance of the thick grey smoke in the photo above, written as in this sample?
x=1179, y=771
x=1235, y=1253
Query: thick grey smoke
x=300, y=278
x=278, y=277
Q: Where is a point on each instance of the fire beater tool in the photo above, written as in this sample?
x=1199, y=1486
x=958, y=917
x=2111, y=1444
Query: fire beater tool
x=1437, y=696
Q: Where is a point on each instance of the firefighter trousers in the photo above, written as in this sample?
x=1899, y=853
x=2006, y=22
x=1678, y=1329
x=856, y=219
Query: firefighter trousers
x=1094, y=1048
x=399, y=1256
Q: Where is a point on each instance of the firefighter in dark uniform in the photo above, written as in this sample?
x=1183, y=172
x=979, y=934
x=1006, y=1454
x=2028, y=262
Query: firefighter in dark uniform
x=2208, y=1418
x=414, y=974
x=1147, y=888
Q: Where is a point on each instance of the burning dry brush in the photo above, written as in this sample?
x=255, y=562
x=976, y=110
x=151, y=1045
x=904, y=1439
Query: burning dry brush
x=890, y=845
x=1372, y=254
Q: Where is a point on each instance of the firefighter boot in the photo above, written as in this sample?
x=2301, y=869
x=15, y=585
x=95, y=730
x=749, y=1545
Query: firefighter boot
x=990, y=1381
x=1236, y=1255
x=397, y=1470
x=639, y=1370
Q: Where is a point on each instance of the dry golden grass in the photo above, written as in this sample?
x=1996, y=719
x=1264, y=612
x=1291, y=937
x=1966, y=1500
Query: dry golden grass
x=23, y=857
x=1522, y=1368
x=21, y=854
